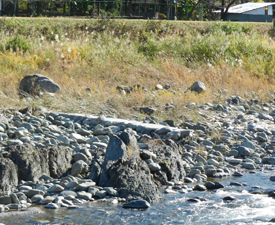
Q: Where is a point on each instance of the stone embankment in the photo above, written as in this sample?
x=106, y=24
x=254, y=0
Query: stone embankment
x=62, y=160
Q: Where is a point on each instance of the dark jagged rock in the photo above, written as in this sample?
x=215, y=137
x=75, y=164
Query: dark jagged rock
x=95, y=171
x=33, y=162
x=59, y=161
x=133, y=177
x=123, y=168
x=8, y=176
x=170, y=161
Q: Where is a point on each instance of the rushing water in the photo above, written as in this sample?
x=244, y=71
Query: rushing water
x=174, y=209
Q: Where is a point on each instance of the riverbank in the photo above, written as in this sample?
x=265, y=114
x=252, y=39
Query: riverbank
x=87, y=158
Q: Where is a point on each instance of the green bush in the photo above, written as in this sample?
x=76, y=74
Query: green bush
x=18, y=43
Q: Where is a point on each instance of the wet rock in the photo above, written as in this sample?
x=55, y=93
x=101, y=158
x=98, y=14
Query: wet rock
x=229, y=198
x=237, y=174
x=137, y=204
x=200, y=187
x=235, y=184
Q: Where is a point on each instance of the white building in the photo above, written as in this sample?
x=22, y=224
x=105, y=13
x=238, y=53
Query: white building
x=251, y=12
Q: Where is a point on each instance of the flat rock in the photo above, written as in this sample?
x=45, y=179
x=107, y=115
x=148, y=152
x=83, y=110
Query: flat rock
x=137, y=204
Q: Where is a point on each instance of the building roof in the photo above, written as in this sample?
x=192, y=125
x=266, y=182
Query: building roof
x=246, y=7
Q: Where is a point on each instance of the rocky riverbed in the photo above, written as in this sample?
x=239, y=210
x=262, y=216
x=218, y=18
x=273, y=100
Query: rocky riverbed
x=64, y=160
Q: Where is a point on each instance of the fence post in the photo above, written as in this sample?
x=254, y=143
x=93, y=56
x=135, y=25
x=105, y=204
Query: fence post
x=121, y=13
x=32, y=7
x=14, y=10
x=155, y=9
x=69, y=8
x=201, y=12
x=186, y=12
x=139, y=9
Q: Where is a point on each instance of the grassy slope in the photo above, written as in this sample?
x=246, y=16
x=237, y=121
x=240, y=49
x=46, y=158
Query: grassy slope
x=230, y=58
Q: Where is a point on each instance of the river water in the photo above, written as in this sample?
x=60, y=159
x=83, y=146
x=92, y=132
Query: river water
x=173, y=209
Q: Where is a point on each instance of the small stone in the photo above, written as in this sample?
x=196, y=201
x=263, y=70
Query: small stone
x=56, y=188
x=46, y=200
x=14, y=198
x=84, y=195
x=52, y=206
x=37, y=198
x=237, y=174
x=154, y=167
x=101, y=194
x=111, y=191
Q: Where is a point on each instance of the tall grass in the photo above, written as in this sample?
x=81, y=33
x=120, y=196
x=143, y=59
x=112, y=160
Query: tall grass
x=230, y=58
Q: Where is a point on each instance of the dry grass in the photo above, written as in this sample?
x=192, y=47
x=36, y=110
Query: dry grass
x=100, y=55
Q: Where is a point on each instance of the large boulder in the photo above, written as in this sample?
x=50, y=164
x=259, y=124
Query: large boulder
x=8, y=176
x=33, y=84
x=124, y=169
x=33, y=162
x=198, y=87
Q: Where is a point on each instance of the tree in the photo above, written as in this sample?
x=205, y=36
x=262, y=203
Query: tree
x=224, y=9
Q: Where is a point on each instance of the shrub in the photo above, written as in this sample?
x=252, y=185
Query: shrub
x=18, y=43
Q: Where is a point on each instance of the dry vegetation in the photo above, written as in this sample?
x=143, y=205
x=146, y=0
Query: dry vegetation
x=230, y=58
